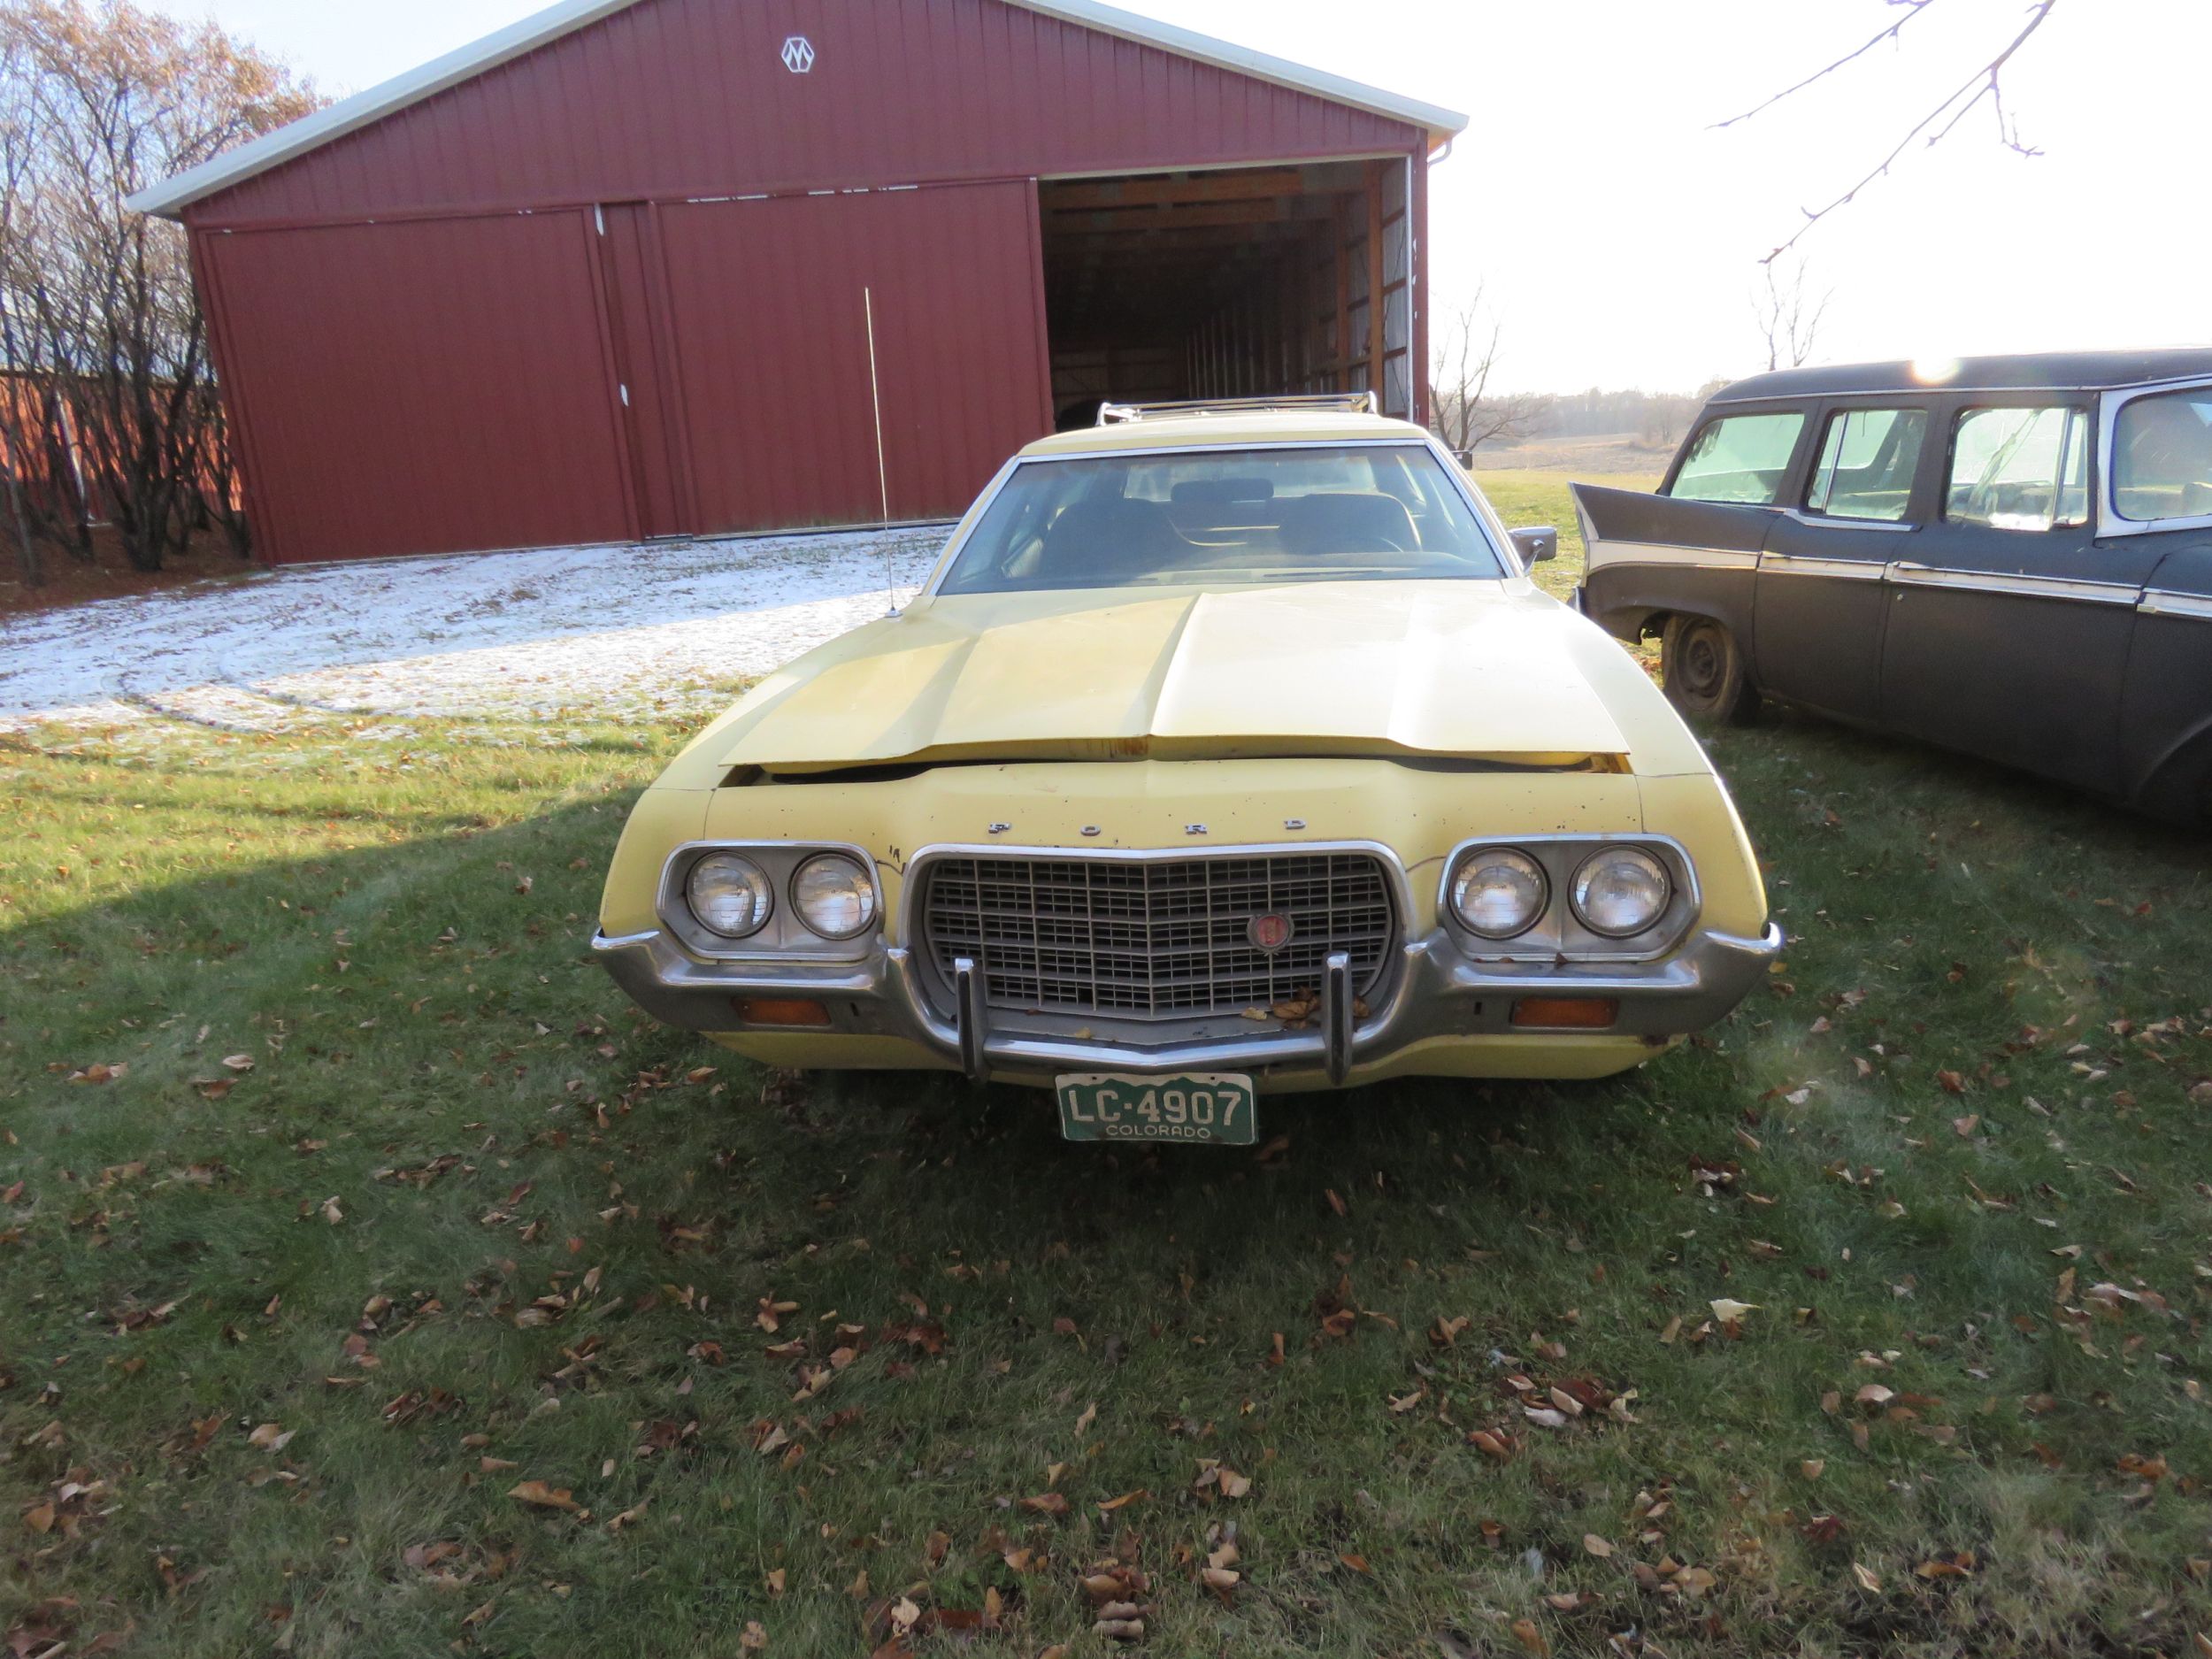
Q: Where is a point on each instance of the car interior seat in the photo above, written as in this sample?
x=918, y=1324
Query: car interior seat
x=1109, y=536
x=1348, y=521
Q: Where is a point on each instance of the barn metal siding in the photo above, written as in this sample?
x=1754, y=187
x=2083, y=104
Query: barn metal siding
x=613, y=287
x=448, y=389
x=672, y=99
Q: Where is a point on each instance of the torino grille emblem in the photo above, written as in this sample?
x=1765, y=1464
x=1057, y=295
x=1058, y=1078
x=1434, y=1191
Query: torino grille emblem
x=1270, y=934
x=798, y=54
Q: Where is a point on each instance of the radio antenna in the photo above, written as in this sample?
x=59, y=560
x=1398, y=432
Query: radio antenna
x=883, y=484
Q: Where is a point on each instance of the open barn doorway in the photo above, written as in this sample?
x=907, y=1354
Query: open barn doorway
x=1250, y=281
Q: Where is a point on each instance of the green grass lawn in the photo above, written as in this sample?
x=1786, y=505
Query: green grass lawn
x=377, y=1282
x=1542, y=498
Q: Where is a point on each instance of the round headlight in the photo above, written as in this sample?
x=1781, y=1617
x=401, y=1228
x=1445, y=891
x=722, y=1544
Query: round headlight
x=1497, y=892
x=833, y=896
x=730, y=894
x=1621, y=890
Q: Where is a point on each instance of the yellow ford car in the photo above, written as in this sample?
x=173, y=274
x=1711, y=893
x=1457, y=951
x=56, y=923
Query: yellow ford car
x=1227, y=750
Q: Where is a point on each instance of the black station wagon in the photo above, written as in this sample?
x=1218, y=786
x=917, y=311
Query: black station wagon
x=2007, y=556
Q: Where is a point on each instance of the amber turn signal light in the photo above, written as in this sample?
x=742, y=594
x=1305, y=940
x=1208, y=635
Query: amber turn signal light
x=780, y=1011
x=1567, y=1013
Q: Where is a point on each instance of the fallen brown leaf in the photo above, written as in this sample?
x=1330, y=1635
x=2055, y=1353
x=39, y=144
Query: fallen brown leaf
x=543, y=1495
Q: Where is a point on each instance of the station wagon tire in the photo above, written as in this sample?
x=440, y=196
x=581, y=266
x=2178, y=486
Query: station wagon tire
x=1702, y=670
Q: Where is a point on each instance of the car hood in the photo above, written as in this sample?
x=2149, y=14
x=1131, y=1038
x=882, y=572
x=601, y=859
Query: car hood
x=1484, y=671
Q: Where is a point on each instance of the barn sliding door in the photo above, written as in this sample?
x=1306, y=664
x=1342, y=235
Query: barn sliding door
x=421, y=387
x=768, y=329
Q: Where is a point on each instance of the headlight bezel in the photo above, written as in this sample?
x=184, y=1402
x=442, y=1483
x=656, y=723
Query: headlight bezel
x=784, y=936
x=1559, y=933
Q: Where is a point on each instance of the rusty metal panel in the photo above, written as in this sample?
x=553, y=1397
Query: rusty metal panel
x=670, y=99
x=421, y=387
x=770, y=325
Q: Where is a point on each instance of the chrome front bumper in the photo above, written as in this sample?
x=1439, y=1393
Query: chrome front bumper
x=1438, y=992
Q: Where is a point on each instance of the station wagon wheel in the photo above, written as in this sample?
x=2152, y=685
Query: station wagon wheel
x=1702, y=670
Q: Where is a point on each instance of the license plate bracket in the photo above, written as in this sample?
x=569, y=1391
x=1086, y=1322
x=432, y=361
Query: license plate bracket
x=1182, y=1108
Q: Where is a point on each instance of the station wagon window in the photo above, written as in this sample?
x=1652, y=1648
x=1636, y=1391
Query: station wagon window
x=2162, y=456
x=1867, y=463
x=2020, y=469
x=1739, y=458
x=1208, y=517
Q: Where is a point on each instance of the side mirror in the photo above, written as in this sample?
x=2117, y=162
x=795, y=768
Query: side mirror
x=1535, y=543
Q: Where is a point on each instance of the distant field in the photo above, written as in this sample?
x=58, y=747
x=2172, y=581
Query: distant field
x=1619, y=452
x=1536, y=496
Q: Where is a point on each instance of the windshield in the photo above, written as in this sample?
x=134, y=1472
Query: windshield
x=1271, y=515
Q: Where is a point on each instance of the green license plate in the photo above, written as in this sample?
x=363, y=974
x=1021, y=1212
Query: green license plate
x=1211, y=1108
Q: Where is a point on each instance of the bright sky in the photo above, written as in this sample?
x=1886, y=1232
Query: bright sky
x=1616, y=235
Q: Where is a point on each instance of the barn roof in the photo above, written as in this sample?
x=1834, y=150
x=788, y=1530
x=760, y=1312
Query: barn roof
x=170, y=197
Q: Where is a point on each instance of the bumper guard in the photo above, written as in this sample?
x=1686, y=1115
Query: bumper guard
x=1438, y=992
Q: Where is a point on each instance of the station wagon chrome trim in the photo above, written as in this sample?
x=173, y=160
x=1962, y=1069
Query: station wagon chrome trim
x=1907, y=574
x=1845, y=521
x=1835, y=570
x=1652, y=553
x=2160, y=602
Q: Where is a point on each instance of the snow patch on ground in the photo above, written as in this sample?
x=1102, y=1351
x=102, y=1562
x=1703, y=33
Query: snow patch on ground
x=615, y=632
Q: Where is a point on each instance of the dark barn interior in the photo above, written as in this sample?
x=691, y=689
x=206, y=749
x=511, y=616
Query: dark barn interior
x=1238, y=282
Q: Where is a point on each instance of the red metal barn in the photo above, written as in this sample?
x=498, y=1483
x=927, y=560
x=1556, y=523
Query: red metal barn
x=636, y=268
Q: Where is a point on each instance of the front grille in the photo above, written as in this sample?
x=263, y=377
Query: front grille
x=1154, y=938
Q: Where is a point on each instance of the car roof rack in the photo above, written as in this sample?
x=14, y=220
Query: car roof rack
x=1111, y=414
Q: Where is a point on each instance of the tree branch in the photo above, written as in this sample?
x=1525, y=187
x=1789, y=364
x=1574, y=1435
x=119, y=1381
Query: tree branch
x=1986, y=82
x=1889, y=34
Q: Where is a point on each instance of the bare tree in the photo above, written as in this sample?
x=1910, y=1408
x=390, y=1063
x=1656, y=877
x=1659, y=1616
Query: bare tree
x=1985, y=85
x=1788, y=318
x=99, y=319
x=1464, y=413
